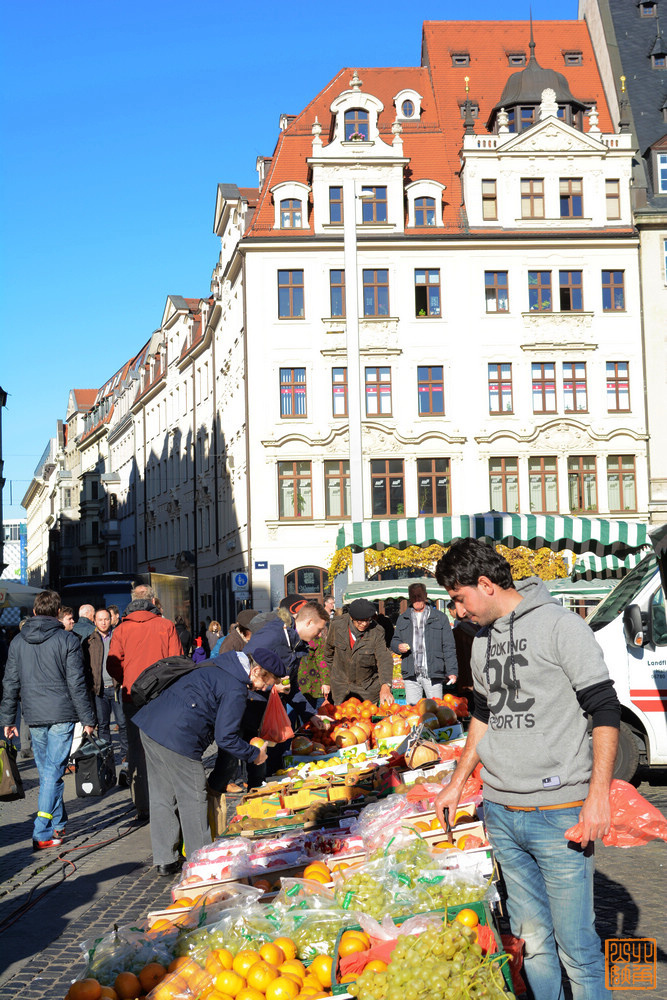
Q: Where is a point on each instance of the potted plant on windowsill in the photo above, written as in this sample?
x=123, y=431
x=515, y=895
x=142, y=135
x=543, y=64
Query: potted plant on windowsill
x=357, y=137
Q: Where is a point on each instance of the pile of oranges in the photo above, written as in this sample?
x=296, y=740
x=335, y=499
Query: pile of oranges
x=271, y=973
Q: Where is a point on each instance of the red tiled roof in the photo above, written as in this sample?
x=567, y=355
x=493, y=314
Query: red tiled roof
x=251, y=195
x=84, y=398
x=433, y=143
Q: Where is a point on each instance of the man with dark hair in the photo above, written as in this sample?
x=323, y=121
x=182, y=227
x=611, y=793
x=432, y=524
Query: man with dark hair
x=424, y=640
x=66, y=616
x=115, y=615
x=357, y=656
x=45, y=670
x=537, y=673
x=142, y=638
x=105, y=689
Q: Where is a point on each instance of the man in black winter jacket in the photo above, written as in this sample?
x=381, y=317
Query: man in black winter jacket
x=45, y=670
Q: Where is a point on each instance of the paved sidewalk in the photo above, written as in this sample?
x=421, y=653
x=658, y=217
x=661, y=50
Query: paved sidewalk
x=94, y=887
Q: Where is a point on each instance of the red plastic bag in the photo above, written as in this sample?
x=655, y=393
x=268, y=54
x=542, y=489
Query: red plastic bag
x=275, y=725
x=634, y=821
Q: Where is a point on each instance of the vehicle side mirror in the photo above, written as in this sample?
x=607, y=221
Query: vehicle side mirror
x=635, y=626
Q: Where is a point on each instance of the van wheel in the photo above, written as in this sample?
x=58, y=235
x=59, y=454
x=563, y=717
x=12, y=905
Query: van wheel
x=627, y=757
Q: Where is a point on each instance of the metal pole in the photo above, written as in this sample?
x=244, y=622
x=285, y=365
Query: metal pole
x=353, y=363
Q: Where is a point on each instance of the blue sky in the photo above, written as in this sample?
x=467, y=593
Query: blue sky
x=118, y=122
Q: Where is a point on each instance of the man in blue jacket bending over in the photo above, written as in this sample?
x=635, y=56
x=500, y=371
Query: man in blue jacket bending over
x=176, y=728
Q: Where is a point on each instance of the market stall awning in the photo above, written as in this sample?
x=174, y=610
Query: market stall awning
x=536, y=531
x=382, y=590
x=589, y=566
x=16, y=595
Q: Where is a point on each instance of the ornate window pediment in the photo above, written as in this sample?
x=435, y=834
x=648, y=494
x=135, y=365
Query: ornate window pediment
x=408, y=104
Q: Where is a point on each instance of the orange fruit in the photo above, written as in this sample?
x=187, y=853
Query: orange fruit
x=359, y=934
x=319, y=876
x=293, y=965
x=422, y=826
x=467, y=917
x=249, y=993
x=272, y=953
x=260, y=975
x=349, y=978
x=85, y=989
x=178, y=963
x=169, y=988
x=108, y=993
x=320, y=967
x=151, y=975
x=341, y=866
x=244, y=960
x=198, y=979
x=287, y=946
x=127, y=986
x=229, y=982
x=350, y=946
x=375, y=966
x=163, y=924
x=218, y=960
x=311, y=983
x=214, y=994
x=282, y=988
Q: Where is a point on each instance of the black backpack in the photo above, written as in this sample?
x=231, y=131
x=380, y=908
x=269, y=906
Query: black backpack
x=154, y=679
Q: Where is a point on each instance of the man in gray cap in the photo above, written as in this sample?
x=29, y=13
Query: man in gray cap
x=357, y=656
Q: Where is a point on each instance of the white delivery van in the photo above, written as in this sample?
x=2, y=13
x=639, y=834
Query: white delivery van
x=630, y=626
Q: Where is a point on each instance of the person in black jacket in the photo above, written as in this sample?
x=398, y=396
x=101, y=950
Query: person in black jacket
x=423, y=638
x=176, y=729
x=45, y=670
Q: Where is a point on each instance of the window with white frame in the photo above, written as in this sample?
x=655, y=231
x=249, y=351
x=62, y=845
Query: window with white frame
x=290, y=202
x=408, y=104
x=424, y=203
x=661, y=173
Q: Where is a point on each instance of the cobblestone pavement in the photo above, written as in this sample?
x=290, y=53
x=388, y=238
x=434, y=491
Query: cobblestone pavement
x=52, y=902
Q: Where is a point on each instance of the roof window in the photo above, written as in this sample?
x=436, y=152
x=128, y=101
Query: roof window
x=408, y=104
x=648, y=9
x=474, y=109
x=516, y=58
x=460, y=58
x=573, y=58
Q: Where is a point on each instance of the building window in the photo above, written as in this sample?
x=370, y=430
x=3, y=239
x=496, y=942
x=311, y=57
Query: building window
x=95, y=532
x=489, y=200
x=337, y=292
x=94, y=489
x=571, y=198
x=337, y=488
x=573, y=58
x=339, y=392
x=504, y=484
x=582, y=484
x=424, y=211
x=433, y=483
x=519, y=119
x=543, y=484
x=661, y=169
x=649, y=9
x=293, y=392
x=376, y=292
x=290, y=294
x=113, y=506
x=613, y=291
x=539, y=291
x=621, y=483
x=374, y=208
x=430, y=390
x=500, y=388
x=427, y=292
x=516, y=58
x=544, y=387
x=378, y=392
x=387, y=487
x=570, y=291
x=407, y=109
x=659, y=60
x=575, y=389
x=460, y=59
x=532, y=198
x=356, y=124
x=612, y=190
x=496, y=291
x=336, y=205
x=295, y=490
x=618, y=386
x=290, y=213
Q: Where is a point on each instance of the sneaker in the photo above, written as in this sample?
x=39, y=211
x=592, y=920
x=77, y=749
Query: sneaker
x=123, y=776
x=60, y=834
x=41, y=845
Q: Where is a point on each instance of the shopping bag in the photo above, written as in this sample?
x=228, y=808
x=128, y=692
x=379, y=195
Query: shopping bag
x=275, y=727
x=11, y=784
x=634, y=821
x=94, y=767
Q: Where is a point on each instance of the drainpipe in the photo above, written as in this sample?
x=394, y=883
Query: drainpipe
x=195, y=539
x=247, y=432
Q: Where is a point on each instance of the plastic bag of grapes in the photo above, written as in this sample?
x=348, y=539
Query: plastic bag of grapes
x=301, y=893
x=405, y=847
x=450, y=888
x=314, y=932
x=235, y=929
x=380, y=887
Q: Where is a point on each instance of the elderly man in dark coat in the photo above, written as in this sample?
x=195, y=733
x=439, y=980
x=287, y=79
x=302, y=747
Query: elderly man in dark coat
x=357, y=656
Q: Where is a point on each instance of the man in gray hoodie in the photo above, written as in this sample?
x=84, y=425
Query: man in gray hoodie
x=537, y=672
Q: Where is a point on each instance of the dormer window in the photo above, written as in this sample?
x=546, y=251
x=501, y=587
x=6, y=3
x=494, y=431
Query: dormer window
x=659, y=61
x=424, y=211
x=469, y=107
x=356, y=125
x=424, y=203
x=516, y=58
x=648, y=9
x=519, y=119
x=408, y=104
x=407, y=109
x=290, y=213
x=460, y=58
x=573, y=58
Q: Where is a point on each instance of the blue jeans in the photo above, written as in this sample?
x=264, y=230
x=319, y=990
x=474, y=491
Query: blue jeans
x=421, y=687
x=51, y=746
x=549, y=884
x=105, y=705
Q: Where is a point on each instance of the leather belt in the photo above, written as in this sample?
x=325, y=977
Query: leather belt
x=560, y=805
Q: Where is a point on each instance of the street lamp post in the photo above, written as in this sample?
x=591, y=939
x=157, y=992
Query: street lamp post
x=353, y=365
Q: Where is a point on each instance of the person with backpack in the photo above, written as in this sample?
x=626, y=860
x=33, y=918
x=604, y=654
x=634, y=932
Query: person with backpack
x=177, y=727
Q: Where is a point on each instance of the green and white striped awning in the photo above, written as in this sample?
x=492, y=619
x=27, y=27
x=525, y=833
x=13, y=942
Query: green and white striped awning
x=536, y=531
x=382, y=590
x=591, y=567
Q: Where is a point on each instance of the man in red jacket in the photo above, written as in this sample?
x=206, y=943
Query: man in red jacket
x=142, y=638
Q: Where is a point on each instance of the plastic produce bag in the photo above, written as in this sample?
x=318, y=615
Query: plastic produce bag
x=301, y=893
x=378, y=889
x=234, y=929
x=213, y=902
x=450, y=888
x=406, y=846
x=127, y=949
x=634, y=821
x=381, y=821
x=314, y=932
x=275, y=727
